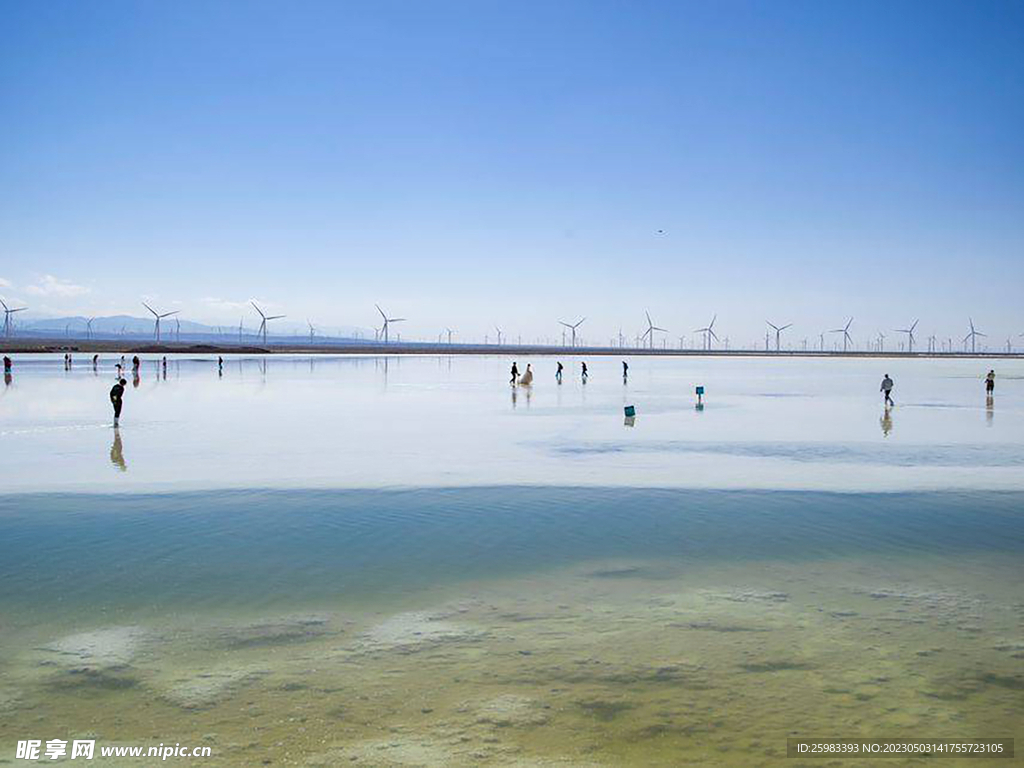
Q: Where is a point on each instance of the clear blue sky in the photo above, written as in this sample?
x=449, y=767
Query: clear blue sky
x=473, y=163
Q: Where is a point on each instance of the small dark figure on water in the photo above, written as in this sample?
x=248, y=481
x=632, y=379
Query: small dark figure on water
x=625, y=370
x=220, y=365
x=515, y=374
x=117, y=398
x=584, y=372
x=990, y=383
x=8, y=364
x=95, y=360
x=887, y=385
x=558, y=373
x=136, y=363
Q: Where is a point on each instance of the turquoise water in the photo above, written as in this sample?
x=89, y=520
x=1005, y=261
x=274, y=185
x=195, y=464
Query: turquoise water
x=312, y=563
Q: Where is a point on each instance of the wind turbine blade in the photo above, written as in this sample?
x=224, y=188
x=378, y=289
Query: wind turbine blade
x=713, y=334
x=914, y=325
x=396, y=319
x=565, y=324
x=4, y=303
x=168, y=314
x=257, y=308
x=19, y=309
x=150, y=309
x=787, y=325
x=979, y=333
x=648, y=317
x=381, y=311
x=656, y=328
x=580, y=322
x=276, y=317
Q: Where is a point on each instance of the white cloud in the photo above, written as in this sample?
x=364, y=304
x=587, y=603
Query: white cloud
x=224, y=304
x=49, y=285
x=5, y=283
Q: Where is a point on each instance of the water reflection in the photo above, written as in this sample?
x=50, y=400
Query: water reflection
x=886, y=421
x=990, y=410
x=117, y=452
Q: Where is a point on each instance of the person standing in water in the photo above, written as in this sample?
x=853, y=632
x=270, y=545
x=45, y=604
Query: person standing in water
x=117, y=398
x=990, y=383
x=8, y=364
x=625, y=371
x=887, y=385
x=584, y=372
x=515, y=374
x=558, y=373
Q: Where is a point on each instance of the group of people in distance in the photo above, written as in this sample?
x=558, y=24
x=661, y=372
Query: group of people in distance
x=527, y=378
x=888, y=385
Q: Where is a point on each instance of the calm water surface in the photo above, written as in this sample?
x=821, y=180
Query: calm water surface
x=406, y=562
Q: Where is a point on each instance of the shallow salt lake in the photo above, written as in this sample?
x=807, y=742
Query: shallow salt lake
x=368, y=422
x=368, y=562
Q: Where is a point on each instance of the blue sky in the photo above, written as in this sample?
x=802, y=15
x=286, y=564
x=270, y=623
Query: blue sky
x=479, y=163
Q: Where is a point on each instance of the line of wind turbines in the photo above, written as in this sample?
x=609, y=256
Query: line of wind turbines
x=707, y=335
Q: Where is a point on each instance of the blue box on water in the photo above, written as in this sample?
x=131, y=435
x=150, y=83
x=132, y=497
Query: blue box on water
x=630, y=410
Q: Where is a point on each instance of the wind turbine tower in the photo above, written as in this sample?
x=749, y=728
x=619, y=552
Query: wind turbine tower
x=778, y=333
x=387, y=322
x=8, y=325
x=910, y=335
x=708, y=332
x=651, y=328
x=157, y=316
x=972, y=336
x=572, y=327
x=845, y=330
x=263, y=320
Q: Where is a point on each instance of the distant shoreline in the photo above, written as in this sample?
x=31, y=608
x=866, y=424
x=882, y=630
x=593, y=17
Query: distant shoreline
x=94, y=346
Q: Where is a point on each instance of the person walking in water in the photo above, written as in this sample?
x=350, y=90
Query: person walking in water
x=887, y=385
x=558, y=373
x=584, y=372
x=625, y=370
x=8, y=364
x=515, y=374
x=990, y=383
x=527, y=379
x=117, y=398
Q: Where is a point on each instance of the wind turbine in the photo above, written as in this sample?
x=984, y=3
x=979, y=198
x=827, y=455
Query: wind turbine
x=312, y=330
x=651, y=328
x=845, y=330
x=973, y=335
x=572, y=328
x=177, y=329
x=7, y=316
x=778, y=332
x=499, y=334
x=449, y=331
x=709, y=333
x=88, y=327
x=387, y=322
x=881, y=342
x=910, y=335
x=263, y=321
x=158, y=317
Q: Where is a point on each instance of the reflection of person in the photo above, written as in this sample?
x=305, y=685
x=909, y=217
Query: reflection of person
x=887, y=385
x=117, y=452
x=527, y=378
x=990, y=383
x=886, y=422
x=117, y=398
x=515, y=374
